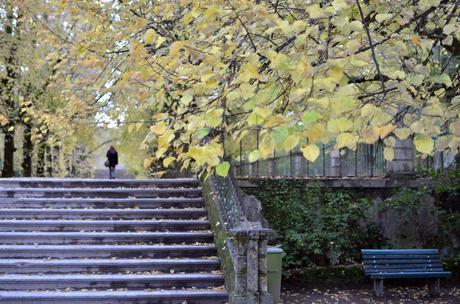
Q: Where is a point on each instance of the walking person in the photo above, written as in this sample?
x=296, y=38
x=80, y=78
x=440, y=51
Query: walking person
x=112, y=161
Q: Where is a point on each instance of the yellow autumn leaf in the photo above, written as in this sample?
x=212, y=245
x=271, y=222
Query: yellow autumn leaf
x=403, y=133
x=175, y=47
x=342, y=124
x=3, y=120
x=416, y=40
x=336, y=74
x=159, y=128
x=148, y=162
x=149, y=36
x=160, y=41
x=389, y=153
x=385, y=130
x=346, y=140
x=290, y=142
x=316, y=132
x=166, y=138
x=424, y=143
x=455, y=128
x=315, y=11
x=168, y=160
x=310, y=152
x=369, y=135
x=266, y=147
x=254, y=156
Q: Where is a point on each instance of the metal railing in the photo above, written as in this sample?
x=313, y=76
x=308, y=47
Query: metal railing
x=366, y=160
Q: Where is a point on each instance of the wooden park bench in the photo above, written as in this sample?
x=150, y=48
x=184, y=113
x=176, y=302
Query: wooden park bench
x=404, y=264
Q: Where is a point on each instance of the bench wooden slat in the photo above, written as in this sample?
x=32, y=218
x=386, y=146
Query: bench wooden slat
x=411, y=275
x=394, y=256
x=398, y=251
x=402, y=261
x=401, y=256
x=402, y=267
x=404, y=270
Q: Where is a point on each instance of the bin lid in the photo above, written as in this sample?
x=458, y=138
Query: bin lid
x=274, y=250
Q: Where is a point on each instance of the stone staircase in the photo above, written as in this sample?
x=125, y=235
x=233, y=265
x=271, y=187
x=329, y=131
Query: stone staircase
x=101, y=241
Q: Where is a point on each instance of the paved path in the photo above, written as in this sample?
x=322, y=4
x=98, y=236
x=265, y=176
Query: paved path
x=363, y=295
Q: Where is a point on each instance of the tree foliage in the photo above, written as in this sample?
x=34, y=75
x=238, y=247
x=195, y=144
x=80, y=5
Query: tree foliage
x=40, y=79
x=301, y=72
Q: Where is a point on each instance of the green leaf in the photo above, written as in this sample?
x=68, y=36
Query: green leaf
x=202, y=133
x=382, y=17
x=449, y=29
x=443, y=78
x=280, y=133
x=223, y=168
x=309, y=118
x=186, y=98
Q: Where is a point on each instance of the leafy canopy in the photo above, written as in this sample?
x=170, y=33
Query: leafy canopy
x=301, y=72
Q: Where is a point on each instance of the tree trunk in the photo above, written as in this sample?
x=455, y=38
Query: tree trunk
x=28, y=147
x=41, y=160
x=49, y=159
x=8, y=155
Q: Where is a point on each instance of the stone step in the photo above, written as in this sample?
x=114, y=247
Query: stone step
x=109, y=281
x=106, y=265
x=99, y=192
x=97, y=183
x=61, y=238
x=116, y=297
x=188, y=213
x=103, y=225
x=107, y=251
x=110, y=203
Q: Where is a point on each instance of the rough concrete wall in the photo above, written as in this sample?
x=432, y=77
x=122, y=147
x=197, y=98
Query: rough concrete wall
x=410, y=228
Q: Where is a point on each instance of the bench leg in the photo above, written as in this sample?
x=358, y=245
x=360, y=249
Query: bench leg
x=378, y=287
x=435, y=287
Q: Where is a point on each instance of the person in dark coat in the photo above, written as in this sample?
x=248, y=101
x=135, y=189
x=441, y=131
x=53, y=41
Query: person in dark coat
x=112, y=159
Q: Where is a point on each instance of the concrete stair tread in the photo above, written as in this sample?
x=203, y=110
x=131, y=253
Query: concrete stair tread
x=105, y=234
x=52, y=225
x=91, y=262
x=60, y=182
x=105, y=247
x=108, y=210
x=102, y=190
x=104, y=199
x=129, y=294
x=102, y=222
x=108, y=277
x=103, y=237
x=102, y=211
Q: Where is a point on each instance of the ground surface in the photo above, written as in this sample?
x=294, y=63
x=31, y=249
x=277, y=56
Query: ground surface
x=363, y=294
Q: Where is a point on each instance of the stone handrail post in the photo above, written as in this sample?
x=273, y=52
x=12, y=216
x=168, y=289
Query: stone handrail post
x=241, y=240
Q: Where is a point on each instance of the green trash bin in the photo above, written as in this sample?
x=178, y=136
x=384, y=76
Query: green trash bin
x=274, y=264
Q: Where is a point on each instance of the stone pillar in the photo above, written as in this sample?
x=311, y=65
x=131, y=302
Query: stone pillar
x=403, y=162
x=299, y=165
x=335, y=163
x=271, y=167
